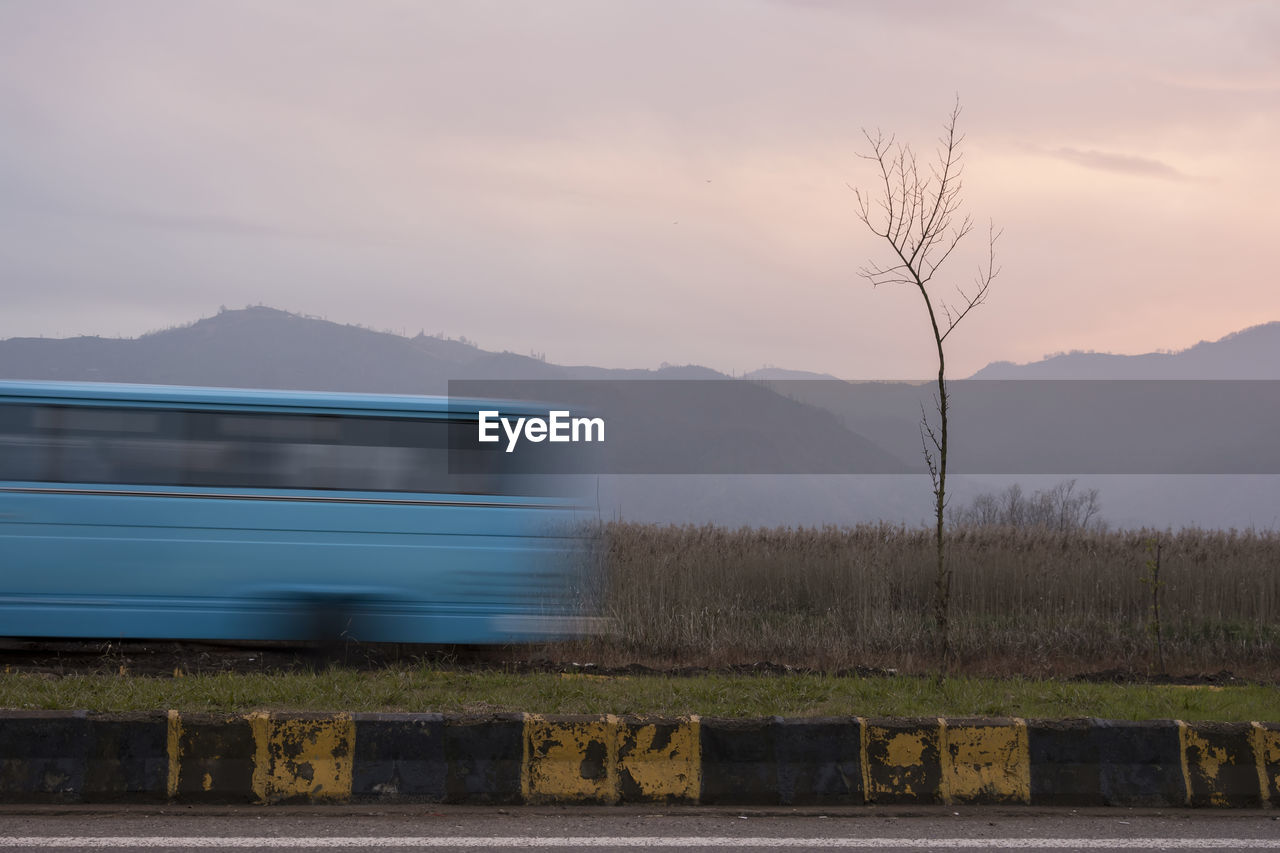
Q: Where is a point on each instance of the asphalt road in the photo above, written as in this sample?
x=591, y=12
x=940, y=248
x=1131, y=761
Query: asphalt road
x=649, y=828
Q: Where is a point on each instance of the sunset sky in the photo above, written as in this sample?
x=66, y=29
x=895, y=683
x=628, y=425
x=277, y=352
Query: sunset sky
x=627, y=182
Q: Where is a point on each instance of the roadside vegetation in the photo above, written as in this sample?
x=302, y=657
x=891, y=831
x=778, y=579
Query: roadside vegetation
x=425, y=688
x=1031, y=599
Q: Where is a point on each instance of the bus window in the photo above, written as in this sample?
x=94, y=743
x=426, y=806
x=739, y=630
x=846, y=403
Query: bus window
x=24, y=455
x=65, y=444
x=99, y=444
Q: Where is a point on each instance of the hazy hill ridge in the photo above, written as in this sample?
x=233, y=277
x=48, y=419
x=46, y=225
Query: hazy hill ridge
x=262, y=347
x=267, y=348
x=1252, y=353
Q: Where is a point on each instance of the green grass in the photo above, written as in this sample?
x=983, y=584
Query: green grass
x=427, y=689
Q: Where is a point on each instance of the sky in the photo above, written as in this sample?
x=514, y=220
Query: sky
x=630, y=182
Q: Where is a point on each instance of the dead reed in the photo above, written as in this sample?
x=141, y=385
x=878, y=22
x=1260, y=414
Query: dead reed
x=1026, y=601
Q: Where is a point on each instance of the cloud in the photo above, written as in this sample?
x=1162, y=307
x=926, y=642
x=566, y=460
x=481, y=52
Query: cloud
x=1127, y=164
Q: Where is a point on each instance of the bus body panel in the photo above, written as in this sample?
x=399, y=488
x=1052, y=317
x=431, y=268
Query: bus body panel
x=116, y=560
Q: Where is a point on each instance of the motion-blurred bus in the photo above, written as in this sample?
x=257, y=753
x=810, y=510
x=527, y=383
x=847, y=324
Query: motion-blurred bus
x=135, y=511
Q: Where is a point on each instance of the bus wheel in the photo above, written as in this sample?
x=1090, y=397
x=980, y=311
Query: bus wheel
x=330, y=621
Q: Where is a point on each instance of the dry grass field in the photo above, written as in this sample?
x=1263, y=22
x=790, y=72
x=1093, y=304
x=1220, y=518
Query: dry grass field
x=1026, y=601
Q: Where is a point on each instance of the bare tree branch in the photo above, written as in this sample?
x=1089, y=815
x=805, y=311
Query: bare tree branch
x=916, y=213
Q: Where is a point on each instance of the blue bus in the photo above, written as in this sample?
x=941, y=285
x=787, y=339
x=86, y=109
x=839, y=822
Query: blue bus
x=136, y=511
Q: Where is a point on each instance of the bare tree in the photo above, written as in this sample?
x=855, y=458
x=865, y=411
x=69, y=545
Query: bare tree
x=1059, y=508
x=917, y=211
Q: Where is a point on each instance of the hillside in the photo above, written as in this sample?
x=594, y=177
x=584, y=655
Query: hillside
x=1252, y=353
x=724, y=426
x=265, y=348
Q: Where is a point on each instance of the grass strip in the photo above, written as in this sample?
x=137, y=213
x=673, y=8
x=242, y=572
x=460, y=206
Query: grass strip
x=426, y=689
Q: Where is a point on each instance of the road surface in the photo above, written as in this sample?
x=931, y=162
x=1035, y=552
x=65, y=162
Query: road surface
x=652, y=828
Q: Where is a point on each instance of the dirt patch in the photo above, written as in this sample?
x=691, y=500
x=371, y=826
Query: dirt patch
x=177, y=659
x=77, y=657
x=1222, y=678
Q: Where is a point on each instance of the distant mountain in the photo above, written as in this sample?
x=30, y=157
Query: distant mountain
x=725, y=427
x=1253, y=353
x=771, y=374
x=265, y=348
x=261, y=347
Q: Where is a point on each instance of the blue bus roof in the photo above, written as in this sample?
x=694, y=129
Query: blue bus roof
x=211, y=397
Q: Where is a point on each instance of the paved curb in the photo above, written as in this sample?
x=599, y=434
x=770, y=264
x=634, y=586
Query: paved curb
x=76, y=756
